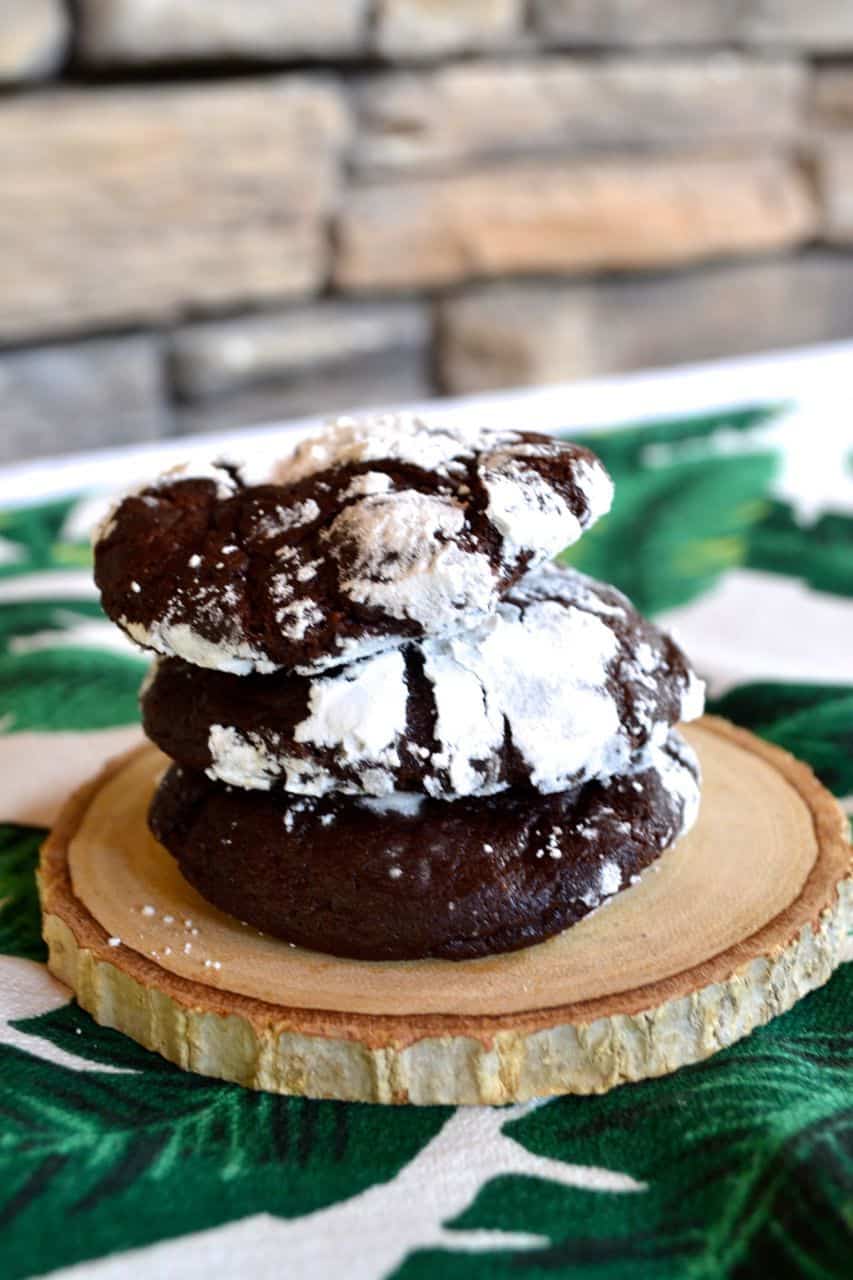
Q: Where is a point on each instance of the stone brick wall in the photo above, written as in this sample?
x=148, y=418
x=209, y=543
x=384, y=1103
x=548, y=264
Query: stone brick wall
x=222, y=212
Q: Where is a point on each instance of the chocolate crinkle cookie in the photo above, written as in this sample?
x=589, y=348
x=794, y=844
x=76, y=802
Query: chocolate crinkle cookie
x=564, y=683
x=398, y=730
x=408, y=876
x=371, y=534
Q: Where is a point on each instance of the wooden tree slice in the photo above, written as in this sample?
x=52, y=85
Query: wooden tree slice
x=729, y=928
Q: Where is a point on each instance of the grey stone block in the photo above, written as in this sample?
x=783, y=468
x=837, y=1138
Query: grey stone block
x=834, y=161
x=635, y=22
x=317, y=359
x=833, y=96
x=515, y=334
x=564, y=215
x=81, y=396
x=472, y=112
x=820, y=26
x=414, y=30
x=122, y=206
x=376, y=383
x=33, y=39
x=139, y=32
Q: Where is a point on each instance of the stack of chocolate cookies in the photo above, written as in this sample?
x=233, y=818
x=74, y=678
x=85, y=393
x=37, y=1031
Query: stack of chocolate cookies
x=397, y=729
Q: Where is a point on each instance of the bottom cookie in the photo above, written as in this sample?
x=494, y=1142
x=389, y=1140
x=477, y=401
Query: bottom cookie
x=413, y=877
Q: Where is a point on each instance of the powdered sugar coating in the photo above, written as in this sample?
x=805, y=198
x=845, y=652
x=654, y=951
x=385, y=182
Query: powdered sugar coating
x=565, y=682
x=524, y=506
x=243, y=759
x=680, y=775
x=542, y=675
x=401, y=554
x=368, y=485
x=529, y=512
x=221, y=474
x=405, y=804
x=388, y=437
x=373, y=533
x=285, y=517
x=360, y=711
x=298, y=618
x=232, y=653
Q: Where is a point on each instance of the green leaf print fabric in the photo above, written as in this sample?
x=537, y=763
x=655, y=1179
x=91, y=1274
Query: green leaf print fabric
x=113, y=1163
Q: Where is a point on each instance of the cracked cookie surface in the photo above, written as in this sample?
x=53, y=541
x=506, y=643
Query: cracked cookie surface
x=564, y=683
x=371, y=534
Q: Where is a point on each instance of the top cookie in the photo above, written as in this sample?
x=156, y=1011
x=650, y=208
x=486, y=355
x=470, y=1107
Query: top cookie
x=370, y=534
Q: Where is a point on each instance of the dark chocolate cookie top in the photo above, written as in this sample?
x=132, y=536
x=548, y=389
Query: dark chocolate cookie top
x=375, y=532
x=565, y=682
x=411, y=876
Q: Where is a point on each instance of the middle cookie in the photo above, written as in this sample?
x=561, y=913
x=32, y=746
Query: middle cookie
x=564, y=684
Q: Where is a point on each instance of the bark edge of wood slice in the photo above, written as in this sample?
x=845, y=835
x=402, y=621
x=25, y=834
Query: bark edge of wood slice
x=588, y=1046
